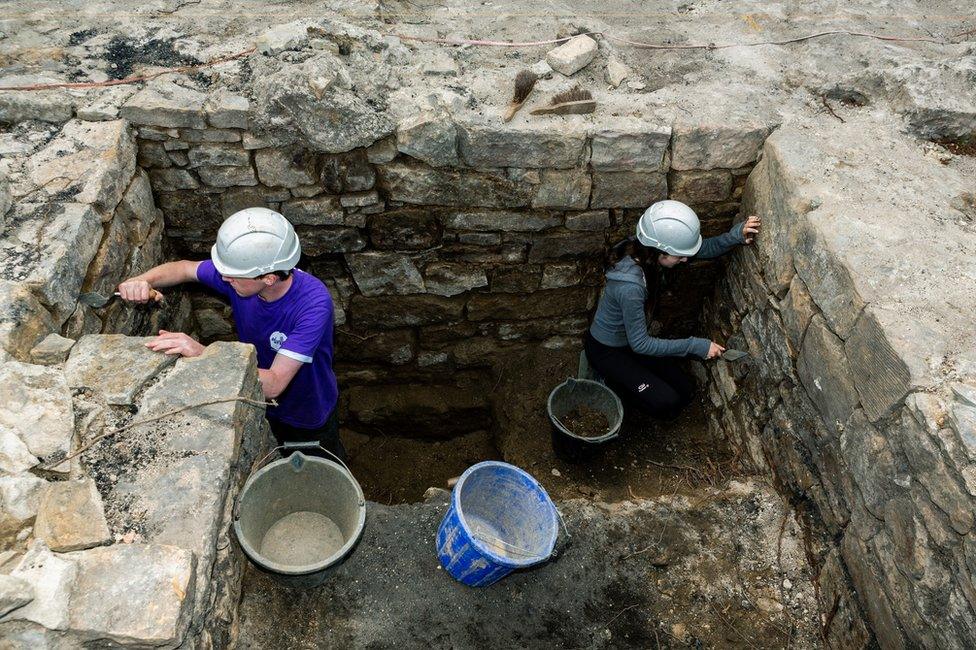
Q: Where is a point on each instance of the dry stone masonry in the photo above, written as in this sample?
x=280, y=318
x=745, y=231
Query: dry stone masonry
x=449, y=239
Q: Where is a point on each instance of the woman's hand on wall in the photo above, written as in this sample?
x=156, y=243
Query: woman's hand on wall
x=714, y=350
x=751, y=229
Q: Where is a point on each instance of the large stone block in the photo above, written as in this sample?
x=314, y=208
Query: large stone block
x=14, y=593
x=317, y=240
x=23, y=320
x=52, y=350
x=532, y=146
x=796, y=310
x=226, y=110
x=711, y=146
x=566, y=244
x=630, y=145
x=286, y=166
x=628, y=189
x=504, y=221
x=348, y=172
x=422, y=185
x=227, y=176
x=35, y=404
x=218, y=154
x=133, y=594
x=552, y=302
x=573, y=55
x=823, y=368
x=48, y=248
x=108, y=267
x=55, y=106
x=396, y=347
x=91, y=162
x=378, y=274
x=431, y=137
x=163, y=103
x=319, y=211
x=881, y=377
x=114, y=365
x=20, y=497
x=872, y=463
x=51, y=578
x=698, y=186
x=563, y=188
x=71, y=517
x=592, y=220
x=829, y=280
x=404, y=230
x=389, y=312
x=448, y=279
x=138, y=208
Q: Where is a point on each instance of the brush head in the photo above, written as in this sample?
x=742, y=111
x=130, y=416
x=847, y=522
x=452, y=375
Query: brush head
x=573, y=95
x=524, y=82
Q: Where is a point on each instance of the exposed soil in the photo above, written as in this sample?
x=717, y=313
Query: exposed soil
x=123, y=55
x=586, y=422
x=960, y=146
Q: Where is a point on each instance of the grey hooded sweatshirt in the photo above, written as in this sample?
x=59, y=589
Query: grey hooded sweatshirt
x=620, y=321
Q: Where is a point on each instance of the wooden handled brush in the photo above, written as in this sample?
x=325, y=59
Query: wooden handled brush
x=572, y=102
x=524, y=83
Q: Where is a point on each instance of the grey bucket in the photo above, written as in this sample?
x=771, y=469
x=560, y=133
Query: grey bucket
x=575, y=392
x=306, y=484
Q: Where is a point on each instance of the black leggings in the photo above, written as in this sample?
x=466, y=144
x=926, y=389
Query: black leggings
x=656, y=385
x=327, y=435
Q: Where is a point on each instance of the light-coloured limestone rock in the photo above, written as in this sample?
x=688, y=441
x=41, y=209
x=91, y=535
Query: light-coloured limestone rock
x=71, y=517
x=51, y=577
x=20, y=497
x=133, y=594
x=378, y=274
x=627, y=189
x=188, y=136
x=50, y=250
x=383, y=151
x=628, y=144
x=15, y=457
x=526, y=146
x=35, y=403
x=277, y=39
x=563, y=188
x=114, y=365
x=14, y=593
x=572, y=56
x=107, y=269
x=447, y=279
x=717, y=144
x=285, y=167
x=138, y=208
x=52, y=350
x=92, y=162
x=697, y=187
x=164, y=103
x=106, y=105
x=55, y=106
x=430, y=137
x=23, y=320
x=226, y=110
x=616, y=71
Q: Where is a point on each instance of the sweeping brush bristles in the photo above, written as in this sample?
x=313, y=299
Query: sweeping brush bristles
x=573, y=95
x=524, y=83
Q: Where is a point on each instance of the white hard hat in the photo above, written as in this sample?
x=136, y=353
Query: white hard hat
x=253, y=242
x=672, y=227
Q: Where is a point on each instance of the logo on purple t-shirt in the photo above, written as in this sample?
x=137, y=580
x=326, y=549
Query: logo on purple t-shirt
x=297, y=325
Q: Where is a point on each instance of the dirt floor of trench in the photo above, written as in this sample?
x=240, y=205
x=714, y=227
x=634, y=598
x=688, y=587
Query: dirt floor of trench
x=649, y=457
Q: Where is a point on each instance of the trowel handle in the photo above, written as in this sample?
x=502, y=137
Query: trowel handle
x=154, y=295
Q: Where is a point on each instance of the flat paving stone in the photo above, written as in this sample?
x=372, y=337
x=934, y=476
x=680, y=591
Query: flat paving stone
x=117, y=366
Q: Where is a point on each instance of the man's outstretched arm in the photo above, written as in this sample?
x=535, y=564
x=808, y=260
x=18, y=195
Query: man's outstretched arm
x=165, y=275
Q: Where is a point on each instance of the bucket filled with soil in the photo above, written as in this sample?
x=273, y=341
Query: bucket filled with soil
x=585, y=415
x=298, y=517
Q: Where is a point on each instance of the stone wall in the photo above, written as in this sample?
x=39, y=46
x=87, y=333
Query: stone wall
x=80, y=216
x=128, y=544
x=446, y=240
x=860, y=398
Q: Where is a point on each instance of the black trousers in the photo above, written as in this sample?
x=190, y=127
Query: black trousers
x=327, y=435
x=656, y=385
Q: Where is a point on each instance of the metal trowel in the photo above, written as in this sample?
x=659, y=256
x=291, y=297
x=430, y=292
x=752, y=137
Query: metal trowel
x=734, y=355
x=97, y=300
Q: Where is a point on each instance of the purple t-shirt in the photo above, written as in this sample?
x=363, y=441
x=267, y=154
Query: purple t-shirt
x=297, y=325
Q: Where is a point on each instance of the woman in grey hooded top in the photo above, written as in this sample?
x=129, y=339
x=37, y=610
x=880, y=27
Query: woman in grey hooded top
x=634, y=363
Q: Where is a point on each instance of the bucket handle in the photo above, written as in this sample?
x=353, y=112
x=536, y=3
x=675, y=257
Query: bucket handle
x=288, y=445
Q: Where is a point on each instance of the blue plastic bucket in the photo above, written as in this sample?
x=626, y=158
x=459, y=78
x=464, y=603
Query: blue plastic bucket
x=500, y=520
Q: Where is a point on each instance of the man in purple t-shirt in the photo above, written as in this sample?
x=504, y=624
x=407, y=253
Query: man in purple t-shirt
x=284, y=312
